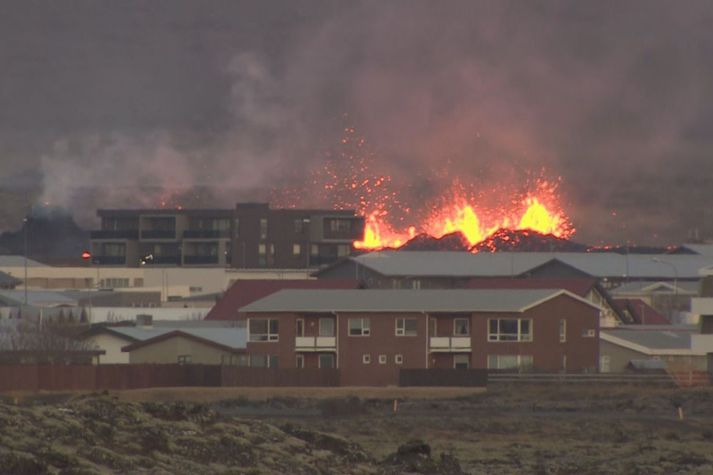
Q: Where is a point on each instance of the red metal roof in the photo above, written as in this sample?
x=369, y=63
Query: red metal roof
x=579, y=287
x=244, y=292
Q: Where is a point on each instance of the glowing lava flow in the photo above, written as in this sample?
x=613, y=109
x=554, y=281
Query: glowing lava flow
x=532, y=214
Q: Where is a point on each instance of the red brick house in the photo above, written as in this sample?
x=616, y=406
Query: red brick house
x=371, y=334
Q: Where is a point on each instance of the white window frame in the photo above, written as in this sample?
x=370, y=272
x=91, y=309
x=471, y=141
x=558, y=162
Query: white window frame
x=522, y=362
x=366, y=358
x=399, y=359
x=269, y=337
x=563, y=331
x=383, y=359
x=520, y=336
x=401, y=327
x=365, y=329
x=455, y=326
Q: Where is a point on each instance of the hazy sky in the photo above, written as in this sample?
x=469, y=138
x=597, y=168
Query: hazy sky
x=615, y=97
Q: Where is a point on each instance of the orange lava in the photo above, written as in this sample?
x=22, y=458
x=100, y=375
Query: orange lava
x=532, y=213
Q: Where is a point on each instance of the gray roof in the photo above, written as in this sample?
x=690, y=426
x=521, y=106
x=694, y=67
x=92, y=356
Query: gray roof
x=702, y=249
x=233, y=337
x=653, y=339
x=478, y=300
x=643, y=287
x=36, y=298
x=503, y=264
x=18, y=261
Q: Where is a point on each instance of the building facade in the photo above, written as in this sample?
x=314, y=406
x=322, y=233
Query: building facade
x=250, y=236
x=371, y=334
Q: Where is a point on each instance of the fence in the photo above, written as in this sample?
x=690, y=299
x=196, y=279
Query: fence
x=443, y=377
x=582, y=378
x=134, y=376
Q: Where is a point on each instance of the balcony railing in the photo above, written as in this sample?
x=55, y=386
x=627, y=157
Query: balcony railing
x=109, y=260
x=115, y=234
x=158, y=234
x=450, y=343
x=162, y=260
x=315, y=343
x=200, y=259
x=318, y=261
x=205, y=234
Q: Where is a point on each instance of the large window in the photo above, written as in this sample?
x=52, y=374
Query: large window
x=326, y=361
x=263, y=329
x=326, y=327
x=461, y=361
x=406, y=326
x=519, y=362
x=563, y=331
x=510, y=329
x=461, y=327
x=359, y=327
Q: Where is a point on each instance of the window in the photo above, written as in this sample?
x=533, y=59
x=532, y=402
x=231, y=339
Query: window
x=359, y=327
x=185, y=359
x=399, y=359
x=382, y=359
x=263, y=329
x=300, y=327
x=589, y=333
x=433, y=326
x=564, y=363
x=263, y=228
x=563, y=331
x=366, y=359
x=296, y=250
x=416, y=284
x=343, y=250
x=461, y=361
x=406, y=326
x=258, y=361
x=300, y=361
x=510, y=329
x=273, y=361
x=326, y=327
x=519, y=362
x=326, y=361
x=461, y=327
x=314, y=250
x=340, y=225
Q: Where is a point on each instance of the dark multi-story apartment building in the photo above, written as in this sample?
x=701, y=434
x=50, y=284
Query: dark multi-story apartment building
x=250, y=236
x=292, y=238
x=369, y=335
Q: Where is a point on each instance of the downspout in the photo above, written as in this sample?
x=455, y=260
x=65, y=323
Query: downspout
x=336, y=338
x=428, y=338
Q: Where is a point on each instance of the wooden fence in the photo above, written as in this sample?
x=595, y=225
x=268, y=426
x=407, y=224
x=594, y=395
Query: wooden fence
x=443, y=377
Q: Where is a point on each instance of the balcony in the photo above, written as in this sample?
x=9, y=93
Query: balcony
x=196, y=260
x=315, y=343
x=109, y=260
x=206, y=234
x=162, y=260
x=450, y=343
x=158, y=234
x=115, y=234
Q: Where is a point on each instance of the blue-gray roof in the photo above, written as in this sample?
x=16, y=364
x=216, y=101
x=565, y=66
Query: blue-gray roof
x=501, y=264
x=461, y=300
x=652, y=339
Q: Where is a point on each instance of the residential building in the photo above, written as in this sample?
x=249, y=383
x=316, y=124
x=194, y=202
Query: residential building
x=210, y=346
x=371, y=334
x=292, y=238
x=250, y=236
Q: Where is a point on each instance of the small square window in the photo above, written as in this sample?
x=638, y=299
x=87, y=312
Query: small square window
x=382, y=359
x=366, y=359
x=399, y=359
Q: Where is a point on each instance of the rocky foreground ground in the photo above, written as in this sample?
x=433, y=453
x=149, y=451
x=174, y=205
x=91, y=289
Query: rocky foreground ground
x=510, y=429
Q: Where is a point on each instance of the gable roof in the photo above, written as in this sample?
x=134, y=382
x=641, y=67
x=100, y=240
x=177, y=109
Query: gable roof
x=650, y=342
x=509, y=264
x=444, y=301
x=641, y=312
x=228, y=339
x=244, y=292
x=642, y=287
x=18, y=261
x=579, y=287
